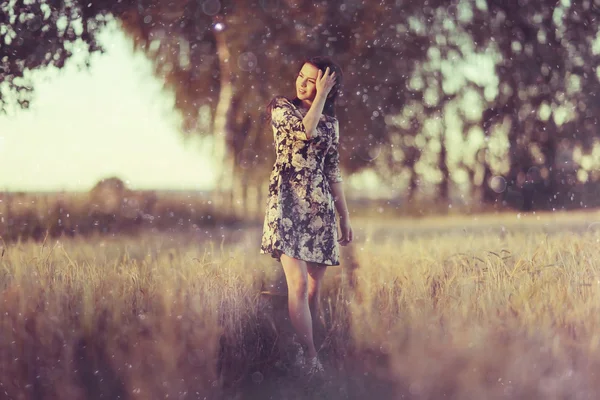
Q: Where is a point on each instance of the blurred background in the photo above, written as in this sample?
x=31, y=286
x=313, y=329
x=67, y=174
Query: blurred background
x=121, y=114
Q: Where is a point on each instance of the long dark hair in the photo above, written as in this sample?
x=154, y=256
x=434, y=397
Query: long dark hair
x=322, y=63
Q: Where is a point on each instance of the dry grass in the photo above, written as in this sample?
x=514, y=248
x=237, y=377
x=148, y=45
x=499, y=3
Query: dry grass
x=498, y=307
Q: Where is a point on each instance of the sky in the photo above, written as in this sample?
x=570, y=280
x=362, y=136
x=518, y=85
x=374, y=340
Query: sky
x=113, y=119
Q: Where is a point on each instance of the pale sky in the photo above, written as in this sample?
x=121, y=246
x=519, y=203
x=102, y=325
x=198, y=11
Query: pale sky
x=110, y=120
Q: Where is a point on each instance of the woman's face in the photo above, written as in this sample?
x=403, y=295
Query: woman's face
x=306, y=82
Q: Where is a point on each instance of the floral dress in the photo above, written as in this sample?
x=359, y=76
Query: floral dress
x=300, y=218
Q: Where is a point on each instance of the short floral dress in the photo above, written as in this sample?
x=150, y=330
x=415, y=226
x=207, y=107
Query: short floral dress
x=300, y=218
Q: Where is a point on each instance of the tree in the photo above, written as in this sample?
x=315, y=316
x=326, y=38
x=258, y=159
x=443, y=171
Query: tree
x=548, y=88
x=231, y=58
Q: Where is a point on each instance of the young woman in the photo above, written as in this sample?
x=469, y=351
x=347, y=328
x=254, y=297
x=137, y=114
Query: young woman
x=305, y=190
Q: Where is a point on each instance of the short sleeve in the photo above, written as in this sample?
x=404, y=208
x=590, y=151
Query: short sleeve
x=286, y=120
x=332, y=158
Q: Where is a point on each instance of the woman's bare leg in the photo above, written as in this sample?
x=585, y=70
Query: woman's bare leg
x=297, y=280
x=316, y=272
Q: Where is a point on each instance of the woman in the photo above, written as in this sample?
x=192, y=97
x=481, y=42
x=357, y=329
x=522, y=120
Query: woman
x=305, y=190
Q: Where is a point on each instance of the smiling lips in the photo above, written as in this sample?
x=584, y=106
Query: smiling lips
x=302, y=91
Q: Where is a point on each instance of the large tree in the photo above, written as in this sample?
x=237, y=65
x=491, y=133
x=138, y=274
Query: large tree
x=548, y=85
x=230, y=58
x=544, y=101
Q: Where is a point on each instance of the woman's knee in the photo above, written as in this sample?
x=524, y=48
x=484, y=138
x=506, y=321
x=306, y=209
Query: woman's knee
x=316, y=272
x=298, y=281
x=296, y=275
x=299, y=287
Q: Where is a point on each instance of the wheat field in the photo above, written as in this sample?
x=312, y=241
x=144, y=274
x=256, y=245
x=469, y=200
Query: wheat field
x=473, y=307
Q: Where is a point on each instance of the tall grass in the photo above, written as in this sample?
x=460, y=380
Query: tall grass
x=467, y=311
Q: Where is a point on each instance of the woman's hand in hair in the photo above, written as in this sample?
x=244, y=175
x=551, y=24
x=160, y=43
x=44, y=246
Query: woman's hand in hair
x=325, y=82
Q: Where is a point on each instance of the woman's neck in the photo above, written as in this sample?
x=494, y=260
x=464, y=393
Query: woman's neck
x=306, y=104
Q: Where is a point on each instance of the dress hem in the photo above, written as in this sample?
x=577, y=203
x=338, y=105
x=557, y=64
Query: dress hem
x=273, y=255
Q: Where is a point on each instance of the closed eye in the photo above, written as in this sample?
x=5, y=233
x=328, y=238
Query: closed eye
x=310, y=80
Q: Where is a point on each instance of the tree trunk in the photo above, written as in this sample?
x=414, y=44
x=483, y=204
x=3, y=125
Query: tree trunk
x=490, y=118
x=244, y=196
x=444, y=187
x=412, y=185
x=221, y=124
x=261, y=199
x=488, y=196
x=550, y=150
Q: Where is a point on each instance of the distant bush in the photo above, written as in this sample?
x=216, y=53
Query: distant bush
x=109, y=208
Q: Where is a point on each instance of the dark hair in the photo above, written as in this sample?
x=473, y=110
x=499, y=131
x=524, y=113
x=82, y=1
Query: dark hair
x=322, y=63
